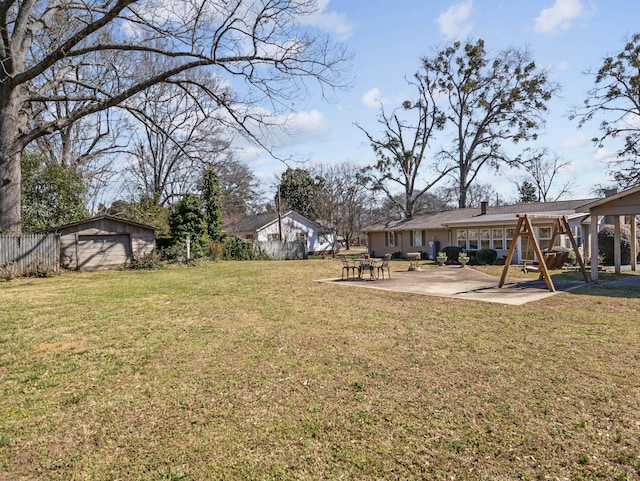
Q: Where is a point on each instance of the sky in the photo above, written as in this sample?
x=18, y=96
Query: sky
x=388, y=39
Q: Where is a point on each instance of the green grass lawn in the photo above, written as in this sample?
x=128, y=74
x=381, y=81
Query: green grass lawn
x=252, y=370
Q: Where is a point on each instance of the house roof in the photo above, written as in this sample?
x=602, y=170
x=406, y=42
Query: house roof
x=101, y=217
x=256, y=222
x=500, y=214
x=252, y=223
x=611, y=198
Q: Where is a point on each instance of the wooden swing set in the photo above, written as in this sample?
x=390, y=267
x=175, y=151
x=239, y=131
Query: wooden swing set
x=525, y=228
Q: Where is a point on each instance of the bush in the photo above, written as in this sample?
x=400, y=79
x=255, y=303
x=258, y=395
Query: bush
x=452, y=252
x=237, y=248
x=163, y=243
x=605, y=244
x=175, y=252
x=150, y=261
x=572, y=260
x=216, y=250
x=486, y=257
x=8, y=271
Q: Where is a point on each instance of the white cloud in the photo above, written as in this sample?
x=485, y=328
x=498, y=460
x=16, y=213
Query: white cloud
x=308, y=125
x=453, y=23
x=334, y=22
x=576, y=141
x=559, y=16
x=604, y=154
x=372, y=98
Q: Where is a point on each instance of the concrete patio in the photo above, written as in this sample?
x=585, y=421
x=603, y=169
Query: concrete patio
x=462, y=283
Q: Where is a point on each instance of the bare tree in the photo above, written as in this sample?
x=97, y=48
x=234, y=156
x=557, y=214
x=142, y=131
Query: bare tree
x=343, y=198
x=487, y=101
x=404, y=149
x=476, y=194
x=241, y=190
x=93, y=48
x=178, y=135
x=87, y=148
x=543, y=168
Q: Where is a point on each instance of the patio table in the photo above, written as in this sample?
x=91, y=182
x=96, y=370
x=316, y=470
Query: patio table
x=370, y=263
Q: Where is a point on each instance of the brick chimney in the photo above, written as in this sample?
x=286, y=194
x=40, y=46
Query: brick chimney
x=483, y=207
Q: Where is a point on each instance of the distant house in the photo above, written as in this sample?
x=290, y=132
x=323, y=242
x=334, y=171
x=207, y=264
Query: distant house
x=478, y=228
x=288, y=227
x=103, y=242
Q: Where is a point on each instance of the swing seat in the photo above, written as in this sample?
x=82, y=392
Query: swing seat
x=553, y=260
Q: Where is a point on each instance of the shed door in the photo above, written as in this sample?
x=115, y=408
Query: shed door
x=103, y=251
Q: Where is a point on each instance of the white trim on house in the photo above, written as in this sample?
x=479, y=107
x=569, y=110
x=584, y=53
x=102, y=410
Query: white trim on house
x=481, y=225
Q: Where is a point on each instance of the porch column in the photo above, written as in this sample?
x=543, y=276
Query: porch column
x=593, y=245
x=586, y=243
x=634, y=243
x=617, y=255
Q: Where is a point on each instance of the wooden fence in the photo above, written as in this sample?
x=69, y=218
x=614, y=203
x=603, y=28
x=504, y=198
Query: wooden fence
x=286, y=250
x=29, y=254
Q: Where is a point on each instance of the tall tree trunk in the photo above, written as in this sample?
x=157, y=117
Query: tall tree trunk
x=10, y=173
x=462, y=187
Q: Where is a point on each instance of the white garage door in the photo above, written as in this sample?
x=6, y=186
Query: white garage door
x=103, y=251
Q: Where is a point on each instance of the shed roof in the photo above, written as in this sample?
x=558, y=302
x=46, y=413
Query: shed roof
x=98, y=218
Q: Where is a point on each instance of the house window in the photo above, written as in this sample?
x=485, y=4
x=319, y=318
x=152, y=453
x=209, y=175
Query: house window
x=509, y=233
x=462, y=238
x=544, y=236
x=390, y=238
x=526, y=247
x=249, y=236
x=498, y=238
x=273, y=237
x=417, y=237
x=301, y=237
x=485, y=238
x=473, y=239
x=544, y=232
x=577, y=236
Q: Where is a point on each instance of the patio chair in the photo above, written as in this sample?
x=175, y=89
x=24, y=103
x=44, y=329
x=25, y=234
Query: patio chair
x=370, y=266
x=349, y=266
x=384, y=266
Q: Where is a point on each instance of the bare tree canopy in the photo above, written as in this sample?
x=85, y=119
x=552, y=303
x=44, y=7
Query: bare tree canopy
x=343, y=198
x=178, y=135
x=487, y=101
x=616, y=99
x=542, y=168
x=403, y=158
x=88, y=53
